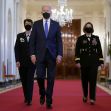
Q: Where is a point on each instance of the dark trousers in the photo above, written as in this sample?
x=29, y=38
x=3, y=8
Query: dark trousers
x=47, y=65
x=27, y=79
x=89, y=78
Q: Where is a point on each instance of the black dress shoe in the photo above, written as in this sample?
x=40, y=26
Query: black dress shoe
x=29, y=103
x=49, y=103
x=92, y=102
x=42, y=100
x=49, y=106
x=84, y=99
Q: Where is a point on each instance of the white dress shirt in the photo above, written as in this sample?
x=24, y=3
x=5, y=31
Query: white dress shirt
x=48, y=22
x=88, y=36
x=28, y=35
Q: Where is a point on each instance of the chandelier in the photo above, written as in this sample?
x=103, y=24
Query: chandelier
x=63, y=15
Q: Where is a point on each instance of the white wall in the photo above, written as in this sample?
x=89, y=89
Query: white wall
x=2, y=10
x=9, y=22
x=0, y=35
x=9, y=35
x=107, y=14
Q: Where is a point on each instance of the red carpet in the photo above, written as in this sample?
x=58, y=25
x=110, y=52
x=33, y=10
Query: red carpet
x=67, y=97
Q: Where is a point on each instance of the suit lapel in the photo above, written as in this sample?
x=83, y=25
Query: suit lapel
x=25, y=38
x=50, y=28
x=42, y=28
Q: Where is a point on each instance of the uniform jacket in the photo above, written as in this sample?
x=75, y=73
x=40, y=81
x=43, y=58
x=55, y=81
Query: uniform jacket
x=22, y=52
x=88, y=52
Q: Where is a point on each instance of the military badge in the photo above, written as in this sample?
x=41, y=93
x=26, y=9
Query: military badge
x=22, y=40
x=94, y=42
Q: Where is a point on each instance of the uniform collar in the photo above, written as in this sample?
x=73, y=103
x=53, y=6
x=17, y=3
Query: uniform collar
x=48, y=20
x=27, y=33
x=88, y=35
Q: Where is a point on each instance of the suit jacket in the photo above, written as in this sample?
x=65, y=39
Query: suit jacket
x=88, y=52
x=39, y=43
x=22, y=52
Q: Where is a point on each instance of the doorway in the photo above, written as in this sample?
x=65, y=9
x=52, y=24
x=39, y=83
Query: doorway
x=70, y=33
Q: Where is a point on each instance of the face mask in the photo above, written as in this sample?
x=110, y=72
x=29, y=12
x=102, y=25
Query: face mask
x=46, y=15
x=28, y=27
x=88, y=29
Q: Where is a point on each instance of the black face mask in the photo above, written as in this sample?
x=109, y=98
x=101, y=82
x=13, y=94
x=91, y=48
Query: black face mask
x=88, y=29
x=46, y=15
x=28, y=27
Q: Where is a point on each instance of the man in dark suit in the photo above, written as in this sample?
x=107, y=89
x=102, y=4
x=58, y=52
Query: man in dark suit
x=46, y=49
x=23, y=61
x=89, y=56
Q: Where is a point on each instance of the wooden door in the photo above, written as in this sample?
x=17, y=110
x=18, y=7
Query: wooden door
x=70, y=32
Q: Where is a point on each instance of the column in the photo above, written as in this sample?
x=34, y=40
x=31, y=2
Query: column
x=2, y=34
x=107, y=15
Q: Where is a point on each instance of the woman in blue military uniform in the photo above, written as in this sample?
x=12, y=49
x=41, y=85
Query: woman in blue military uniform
x=88, y=56
x=23, y=61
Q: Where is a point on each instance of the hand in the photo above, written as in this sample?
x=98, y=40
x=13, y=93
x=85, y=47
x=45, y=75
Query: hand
x=18, y=64
x=33, y=59
x=59, y=59
x=78, y=65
